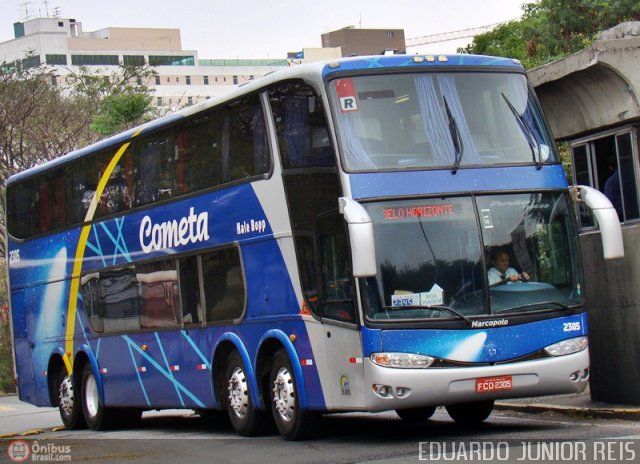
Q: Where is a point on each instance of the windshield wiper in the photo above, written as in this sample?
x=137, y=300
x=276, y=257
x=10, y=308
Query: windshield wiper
x=433, y=308
x=524, y=127
x=555, y=304
x=455, y=137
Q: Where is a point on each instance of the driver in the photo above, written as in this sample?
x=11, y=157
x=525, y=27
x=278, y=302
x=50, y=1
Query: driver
x=501, y=273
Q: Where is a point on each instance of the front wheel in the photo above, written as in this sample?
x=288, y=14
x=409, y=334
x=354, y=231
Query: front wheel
x=470, y=413
x=69, y=403
x=292, y=422
x=416, y=414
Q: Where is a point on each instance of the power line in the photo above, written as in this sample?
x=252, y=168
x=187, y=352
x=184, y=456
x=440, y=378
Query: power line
x=453, y=35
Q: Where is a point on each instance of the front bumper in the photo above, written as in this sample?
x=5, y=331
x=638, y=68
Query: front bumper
x=411, y=388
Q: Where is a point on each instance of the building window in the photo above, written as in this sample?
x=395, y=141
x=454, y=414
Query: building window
x=93, y=60
x=56, y=59
x=133, y=60
x=159, y=101
x=139, y=80
x=206, y=80
x=235, y=80
x=162, y=60
x=177, y=79
x=30, y=62
x=157, y=80
x=389, y=34
x=607, y=164
x=188, y=79
x=54, y=80
x=189, y=101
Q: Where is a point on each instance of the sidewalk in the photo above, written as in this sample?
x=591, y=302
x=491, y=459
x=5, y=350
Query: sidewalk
x=574, y=404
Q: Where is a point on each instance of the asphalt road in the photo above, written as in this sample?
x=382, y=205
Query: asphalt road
x=181, y=436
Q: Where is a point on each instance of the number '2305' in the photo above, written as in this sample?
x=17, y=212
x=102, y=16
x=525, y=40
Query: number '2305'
x=571, y=326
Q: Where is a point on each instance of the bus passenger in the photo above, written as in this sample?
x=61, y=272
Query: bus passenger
x=501, y=273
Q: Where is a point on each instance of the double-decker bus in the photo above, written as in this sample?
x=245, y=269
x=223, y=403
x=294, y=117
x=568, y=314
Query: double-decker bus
x=320, y=240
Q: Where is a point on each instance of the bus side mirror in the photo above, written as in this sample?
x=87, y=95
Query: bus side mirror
x=363, y=249
x=606, y=219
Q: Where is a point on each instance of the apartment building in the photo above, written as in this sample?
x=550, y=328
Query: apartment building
x=182, y=78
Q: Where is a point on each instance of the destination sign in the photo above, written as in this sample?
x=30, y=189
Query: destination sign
x=397, y=213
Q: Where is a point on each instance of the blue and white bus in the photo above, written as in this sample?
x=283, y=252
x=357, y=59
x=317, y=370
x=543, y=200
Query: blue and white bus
x=317, y=241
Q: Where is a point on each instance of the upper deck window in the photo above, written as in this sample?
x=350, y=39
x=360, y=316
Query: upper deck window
x=409, y=121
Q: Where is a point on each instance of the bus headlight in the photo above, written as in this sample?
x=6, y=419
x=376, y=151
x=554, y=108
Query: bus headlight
x=573, y=345
x=402, y=360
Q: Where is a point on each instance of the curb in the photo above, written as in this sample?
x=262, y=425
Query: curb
x=631, y=413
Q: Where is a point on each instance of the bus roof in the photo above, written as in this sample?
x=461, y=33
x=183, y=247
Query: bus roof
x=321, y=68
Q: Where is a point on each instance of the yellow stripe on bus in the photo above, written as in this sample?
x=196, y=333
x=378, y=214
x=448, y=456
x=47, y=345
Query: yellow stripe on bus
x=79, y=256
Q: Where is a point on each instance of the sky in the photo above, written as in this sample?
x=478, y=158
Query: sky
x=269, y=28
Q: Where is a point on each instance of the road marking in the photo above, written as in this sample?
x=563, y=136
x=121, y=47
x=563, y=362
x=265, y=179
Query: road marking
x=32, y=432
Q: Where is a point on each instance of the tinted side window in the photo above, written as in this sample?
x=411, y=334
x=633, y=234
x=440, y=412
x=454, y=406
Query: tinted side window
x=303, y=136
x=224, y=288
x=198, y=154
x=159, y=294
x=245, y=149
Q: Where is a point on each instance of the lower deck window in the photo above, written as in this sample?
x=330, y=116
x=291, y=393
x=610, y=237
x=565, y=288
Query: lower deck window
x=166, y=293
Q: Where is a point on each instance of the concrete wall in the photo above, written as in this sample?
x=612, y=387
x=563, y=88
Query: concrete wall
x=613, y=297
x=595, y=88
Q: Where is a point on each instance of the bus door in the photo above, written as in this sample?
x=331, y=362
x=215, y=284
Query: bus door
x=23, y=319
x=343, y=346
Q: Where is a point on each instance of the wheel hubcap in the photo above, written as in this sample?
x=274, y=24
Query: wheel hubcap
x=92, y=401
x=284, y=394
x=65, y=395
x=238, y=392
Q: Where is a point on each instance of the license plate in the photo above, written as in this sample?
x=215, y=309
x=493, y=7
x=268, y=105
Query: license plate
x=494, y=384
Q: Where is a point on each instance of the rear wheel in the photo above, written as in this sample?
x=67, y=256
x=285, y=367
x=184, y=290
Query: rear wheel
x=292, y=422
x=236, y=398
x=69, y=402
x=416, y=414
x=470, y=413
x=97, y=416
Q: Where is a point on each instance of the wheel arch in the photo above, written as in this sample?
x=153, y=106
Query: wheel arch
x=225, y=345
x=270, y=342
x=84, y=356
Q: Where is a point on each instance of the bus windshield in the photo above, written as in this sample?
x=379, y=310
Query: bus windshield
x=454, y=252
x=421, y=120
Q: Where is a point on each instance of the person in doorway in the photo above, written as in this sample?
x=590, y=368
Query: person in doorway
x=501, y=273
x=612, y=185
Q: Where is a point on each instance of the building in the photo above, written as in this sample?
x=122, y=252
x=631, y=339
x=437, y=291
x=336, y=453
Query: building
x=182, y=78
x=354, y=41
x=592, y=101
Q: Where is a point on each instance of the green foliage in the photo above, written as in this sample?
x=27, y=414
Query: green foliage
x=121, y=111
x=551, y=29
x=6, y=353
x=120, y=104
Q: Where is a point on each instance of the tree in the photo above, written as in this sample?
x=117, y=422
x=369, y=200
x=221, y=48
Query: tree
x=40, y=121
x=122, y=99
x=551, y=29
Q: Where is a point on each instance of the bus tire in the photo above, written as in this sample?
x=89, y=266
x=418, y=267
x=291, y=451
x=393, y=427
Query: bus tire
x=95, y=414
x=470, y=413
x=291, y=421
x=416, y=414
x=69, y=401
x=235, y=396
